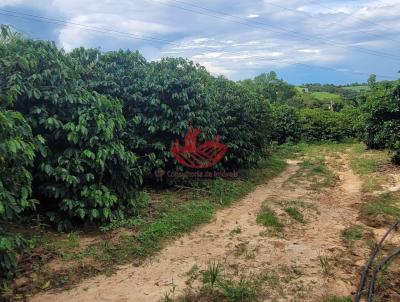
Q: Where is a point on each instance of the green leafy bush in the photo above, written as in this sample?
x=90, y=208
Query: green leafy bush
x=176, y=93
x=17, y=151
x=382, y=117
x=159, y=99
x=325, y=125
x=10, y=245
x=122, y=75
x=358, y=120
x=17, y=147
x=286, y=124
x=84, y=172
x=243, y=122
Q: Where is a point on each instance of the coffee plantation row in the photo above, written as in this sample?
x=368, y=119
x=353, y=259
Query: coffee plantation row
x=82, y=132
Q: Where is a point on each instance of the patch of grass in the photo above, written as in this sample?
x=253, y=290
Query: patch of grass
x=128, y=223
x=372, y=183
x=290, y=151
x=314, y=170
x=270, y=278
x=318, y=173
x=295, y=214
x=315, y=149
x=212, y=274
x=388, y=281
x=326, y=96
x=366, y=163
x=226, y=291
x=73, y=240
x=270, y=284
x=267, y=217
x=384, y=207
x=242, y=291
x=193, y=270
x=169, y=296
x=174, y=223
x=325, y=264
x=267, y=168
x=353, y=233
x=301, y=204
x=363, y=166
x=236, y=230
x=170, y=225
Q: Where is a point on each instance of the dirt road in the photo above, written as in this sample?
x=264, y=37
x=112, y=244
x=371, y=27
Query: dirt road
x=301, y=246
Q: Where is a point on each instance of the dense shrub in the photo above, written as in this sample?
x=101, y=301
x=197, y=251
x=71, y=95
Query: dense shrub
x=95, y=109
x=325, y=125
x=10, y=245
x=243, y=123
x=118, y=74
x=358, y=120
x=159, y=99
x=286, y=124
x=382, y=117
x=176, y=93
x=17, y=150
x=84, y=171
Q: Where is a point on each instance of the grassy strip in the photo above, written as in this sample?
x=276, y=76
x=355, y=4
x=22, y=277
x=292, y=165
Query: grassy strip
x=315, y=171
x=381, y=210
x=366, y=164
x=174, y=223
x=219, y=283
x=353, y=233
x=313, y=168
x=295, y=214
x=268, y=218
x=315, y=149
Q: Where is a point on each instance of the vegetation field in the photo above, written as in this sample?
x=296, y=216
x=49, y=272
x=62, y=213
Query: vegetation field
x=324, y=96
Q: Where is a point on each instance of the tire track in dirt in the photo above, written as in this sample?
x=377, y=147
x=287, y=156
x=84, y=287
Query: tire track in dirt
x=214, y=241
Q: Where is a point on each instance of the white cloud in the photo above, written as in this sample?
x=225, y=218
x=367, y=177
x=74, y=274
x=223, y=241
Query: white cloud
x=215, y=69
x=251, y=16
x=209, y=55
x=314, y=51
x=9, y=2
x=201, y=40
x=97, y=25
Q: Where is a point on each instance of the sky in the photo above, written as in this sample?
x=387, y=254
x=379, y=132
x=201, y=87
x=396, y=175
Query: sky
x=304, y=41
